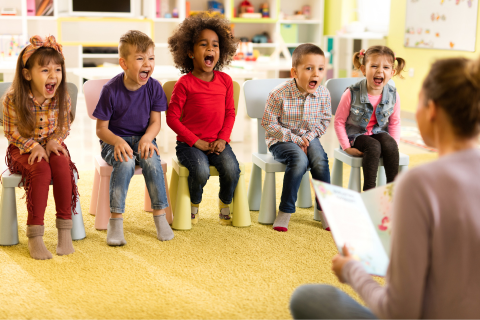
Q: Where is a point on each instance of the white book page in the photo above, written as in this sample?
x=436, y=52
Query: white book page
x=350, y=225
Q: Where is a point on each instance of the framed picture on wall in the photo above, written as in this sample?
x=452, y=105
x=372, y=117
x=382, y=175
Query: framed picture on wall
x=441, y=24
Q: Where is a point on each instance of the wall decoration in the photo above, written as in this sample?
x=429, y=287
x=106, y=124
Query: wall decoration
x=441, y=24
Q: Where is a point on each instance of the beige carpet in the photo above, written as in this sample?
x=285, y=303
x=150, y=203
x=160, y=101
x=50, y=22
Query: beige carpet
x=208, y=272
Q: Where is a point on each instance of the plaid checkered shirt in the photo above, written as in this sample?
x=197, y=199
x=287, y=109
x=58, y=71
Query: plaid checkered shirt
x=46, y=129
x=290, y=115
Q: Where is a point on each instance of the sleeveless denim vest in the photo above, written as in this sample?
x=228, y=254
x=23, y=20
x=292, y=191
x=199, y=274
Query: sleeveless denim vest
x=361, y=110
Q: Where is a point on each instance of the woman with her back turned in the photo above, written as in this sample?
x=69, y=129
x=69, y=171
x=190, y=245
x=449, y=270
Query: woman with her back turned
x=433, y=271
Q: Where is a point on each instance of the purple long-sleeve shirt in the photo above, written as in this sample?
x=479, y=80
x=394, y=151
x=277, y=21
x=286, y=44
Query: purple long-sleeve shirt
x=434, y=269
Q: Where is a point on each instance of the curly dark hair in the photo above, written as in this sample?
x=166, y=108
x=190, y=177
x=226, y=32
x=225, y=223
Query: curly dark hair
x=187, y=33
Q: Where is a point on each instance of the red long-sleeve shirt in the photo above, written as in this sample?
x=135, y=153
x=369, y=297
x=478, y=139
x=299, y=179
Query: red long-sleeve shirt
x=202, y=110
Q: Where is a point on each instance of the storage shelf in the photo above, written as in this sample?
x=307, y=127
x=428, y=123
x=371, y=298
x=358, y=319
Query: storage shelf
x=300, y=21
x=176, y=20
x=247, y=20
x=10, y=17
x=42, y=18
x=264, y=45
x=100, y=55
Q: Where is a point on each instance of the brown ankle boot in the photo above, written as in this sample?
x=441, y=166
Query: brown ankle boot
x=36, y=246
x=65, y=245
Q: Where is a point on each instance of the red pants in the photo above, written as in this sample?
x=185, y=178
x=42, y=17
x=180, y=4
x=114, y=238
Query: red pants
x=36, y=181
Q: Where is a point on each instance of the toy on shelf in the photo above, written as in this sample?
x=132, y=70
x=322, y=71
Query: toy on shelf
x=8, y=12
x=245, y=51
x=265, y=10
x=216, y=6
x=246, y=7
x=306, y=11
x=261, y=38
x=10, y=47
x=175, y=13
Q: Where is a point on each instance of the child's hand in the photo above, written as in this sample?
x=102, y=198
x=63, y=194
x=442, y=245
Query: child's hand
x=218, y=146
x=203, y=145
x=37, y=152
x=53, y=146
x=354, y=152
x=339, y=261
x=305, y=145
x=122, y=149
x=146, y=148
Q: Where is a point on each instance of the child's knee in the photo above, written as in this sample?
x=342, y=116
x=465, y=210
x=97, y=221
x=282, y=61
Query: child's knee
x=41, y=170
x=201, y=172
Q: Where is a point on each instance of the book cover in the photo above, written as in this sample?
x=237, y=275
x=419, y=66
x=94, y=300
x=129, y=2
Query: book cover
x=360, y=221
x=41, y=7
x=31, y=11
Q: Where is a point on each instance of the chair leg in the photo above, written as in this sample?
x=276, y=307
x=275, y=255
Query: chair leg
x=268, y=206
x=241, y=212
x=8, y=218
x=147, y=202
x=304, y=196
x=174, y=187
x=182, y=219
x=78, y=228
x=316, y=214
x=103, y=204
x=168, y=210
x=355, y=181
x=255, y=188
x=94, y=198
x=337, y=173
x=381, y=176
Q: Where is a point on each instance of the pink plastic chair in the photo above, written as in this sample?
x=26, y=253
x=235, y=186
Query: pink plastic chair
x=100, y=202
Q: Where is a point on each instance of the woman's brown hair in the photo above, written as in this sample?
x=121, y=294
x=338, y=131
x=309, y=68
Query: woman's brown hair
x=383, y=51
x=454, y=85
x=21, y=87
x=187, y=33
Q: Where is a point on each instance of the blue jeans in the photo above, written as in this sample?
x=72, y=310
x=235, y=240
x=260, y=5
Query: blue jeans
x=123, y=173
x=320, y=301
x=198, y=164
x=297, y=162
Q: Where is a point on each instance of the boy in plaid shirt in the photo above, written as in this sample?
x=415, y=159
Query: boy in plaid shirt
x=297, y=114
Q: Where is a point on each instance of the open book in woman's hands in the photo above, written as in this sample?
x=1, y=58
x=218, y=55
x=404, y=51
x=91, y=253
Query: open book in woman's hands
x=360, y=221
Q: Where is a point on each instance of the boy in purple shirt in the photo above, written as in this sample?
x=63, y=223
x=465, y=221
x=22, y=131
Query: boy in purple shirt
x=128, y=120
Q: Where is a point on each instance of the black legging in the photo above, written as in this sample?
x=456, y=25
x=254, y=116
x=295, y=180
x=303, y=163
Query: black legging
x=374, y=147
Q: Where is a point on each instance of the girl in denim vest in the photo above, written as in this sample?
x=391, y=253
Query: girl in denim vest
x=367, y=120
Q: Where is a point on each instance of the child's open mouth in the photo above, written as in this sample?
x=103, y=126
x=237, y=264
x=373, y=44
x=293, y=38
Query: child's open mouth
x=312, y=84
x=378, y=81
x=144, y=75
x=50, y=87
x=209, y=61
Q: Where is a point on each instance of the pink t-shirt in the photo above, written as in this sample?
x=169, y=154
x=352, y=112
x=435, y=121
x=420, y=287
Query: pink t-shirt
x=343, y=111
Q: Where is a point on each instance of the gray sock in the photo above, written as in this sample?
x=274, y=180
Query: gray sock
x=281, y=222
x=115, y=232
x=164, y=232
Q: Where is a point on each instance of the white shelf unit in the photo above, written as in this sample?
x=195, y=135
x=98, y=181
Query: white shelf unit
x=24, y=26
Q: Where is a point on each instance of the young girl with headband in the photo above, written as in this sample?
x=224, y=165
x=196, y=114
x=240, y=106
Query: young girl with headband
x=367, y=121
x=36, y=120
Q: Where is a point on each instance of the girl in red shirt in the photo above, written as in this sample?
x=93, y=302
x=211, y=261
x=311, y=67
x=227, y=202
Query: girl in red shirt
x=202, y=110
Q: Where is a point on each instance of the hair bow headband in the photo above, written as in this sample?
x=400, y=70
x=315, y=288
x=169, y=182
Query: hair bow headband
x=37, y=42
x=361, y=55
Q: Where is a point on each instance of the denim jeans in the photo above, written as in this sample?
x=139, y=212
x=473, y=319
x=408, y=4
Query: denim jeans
x=320, y=301
x=198, y=163
x=290, y=154
x=124, y=171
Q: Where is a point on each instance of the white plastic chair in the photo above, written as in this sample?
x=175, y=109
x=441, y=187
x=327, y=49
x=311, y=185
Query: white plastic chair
x=256, y=94
x=8, y=203
x=337, y=87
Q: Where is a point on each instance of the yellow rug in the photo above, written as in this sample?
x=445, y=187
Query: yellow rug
x=208, y=272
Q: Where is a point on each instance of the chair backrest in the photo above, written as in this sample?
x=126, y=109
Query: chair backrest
x=338, y=86
x=168, y=89
x=71, y=88
x=256, y=95
x=92, y=89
